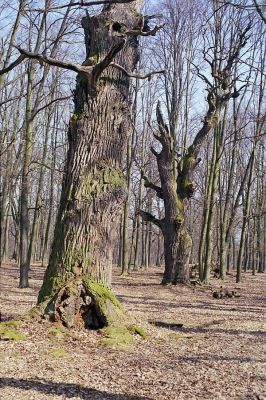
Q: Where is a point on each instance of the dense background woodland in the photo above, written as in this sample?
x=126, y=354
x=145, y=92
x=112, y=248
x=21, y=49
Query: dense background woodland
x=154, y=125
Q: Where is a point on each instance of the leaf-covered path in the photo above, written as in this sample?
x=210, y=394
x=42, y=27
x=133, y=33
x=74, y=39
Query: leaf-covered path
x=219, y=353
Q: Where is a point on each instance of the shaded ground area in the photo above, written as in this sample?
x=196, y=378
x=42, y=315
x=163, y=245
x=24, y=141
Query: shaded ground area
x=199, y=347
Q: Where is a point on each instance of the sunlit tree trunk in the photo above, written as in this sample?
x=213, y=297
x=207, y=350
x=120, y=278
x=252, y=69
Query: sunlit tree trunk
x=94, y=187
x=246, y=210
x=130, y=151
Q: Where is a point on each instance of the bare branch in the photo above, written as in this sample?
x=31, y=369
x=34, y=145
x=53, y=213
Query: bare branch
x=242, y=42
x=152, y=186
x=200, y=75
x=237, y=5
x=218, y=96
x=140, y=32
x=162, y=125
x=13, y=65
x=256, y=6
x=92, y=73
x=136, y=76
x=9, y=100
x=12, y=81
x=102, y=65
x=259, y=11
x=150, y=218
x=155, y=133
x=49, y=104
x=52, y=61
x=211, y=114
x=154, y=152
x=83, y=3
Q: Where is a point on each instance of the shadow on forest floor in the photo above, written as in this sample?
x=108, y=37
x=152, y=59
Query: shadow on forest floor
x=205, y=328
x=67, y=390
x=234, y=306
x=205, y=357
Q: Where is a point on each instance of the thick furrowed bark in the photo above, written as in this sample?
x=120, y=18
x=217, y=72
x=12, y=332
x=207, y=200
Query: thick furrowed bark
x=94, y=188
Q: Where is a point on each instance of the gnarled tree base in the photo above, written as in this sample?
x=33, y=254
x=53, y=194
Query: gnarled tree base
x=83, y=302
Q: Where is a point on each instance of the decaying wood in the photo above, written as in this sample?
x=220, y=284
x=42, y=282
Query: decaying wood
x=83, y=302
x=224, y=292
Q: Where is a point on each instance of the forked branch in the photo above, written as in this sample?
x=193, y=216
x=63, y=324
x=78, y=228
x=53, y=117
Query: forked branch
x=141, y=32
x=43, y=59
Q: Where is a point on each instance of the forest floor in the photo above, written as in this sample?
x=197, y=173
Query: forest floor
x=219, y=353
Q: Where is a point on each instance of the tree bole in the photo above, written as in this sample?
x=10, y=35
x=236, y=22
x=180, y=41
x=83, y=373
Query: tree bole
x=94, y=188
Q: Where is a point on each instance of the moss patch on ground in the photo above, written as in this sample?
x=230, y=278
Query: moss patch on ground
x=57, y=333
x=58, y=353
x=9, y=331
x=117, y=337
x=134, y=329
x=121, y=337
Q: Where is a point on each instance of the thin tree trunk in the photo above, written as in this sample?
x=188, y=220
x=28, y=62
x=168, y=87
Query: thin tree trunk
x=218, y=148
x=27, y=156
x=35, y=222
x=130, y=150
x=51, y=190
x=245, y=216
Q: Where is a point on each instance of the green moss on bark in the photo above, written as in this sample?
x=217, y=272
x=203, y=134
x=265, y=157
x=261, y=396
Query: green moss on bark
x=107, y=306
x=50, y=285
x=114, y=177
x=94, y=182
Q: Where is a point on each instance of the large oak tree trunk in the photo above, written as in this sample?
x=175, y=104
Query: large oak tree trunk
x=94, y=188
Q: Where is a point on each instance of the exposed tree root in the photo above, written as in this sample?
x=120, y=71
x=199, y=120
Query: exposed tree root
x=83, y=302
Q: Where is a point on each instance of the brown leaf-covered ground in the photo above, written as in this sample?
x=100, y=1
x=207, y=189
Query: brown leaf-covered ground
x=219, y=353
